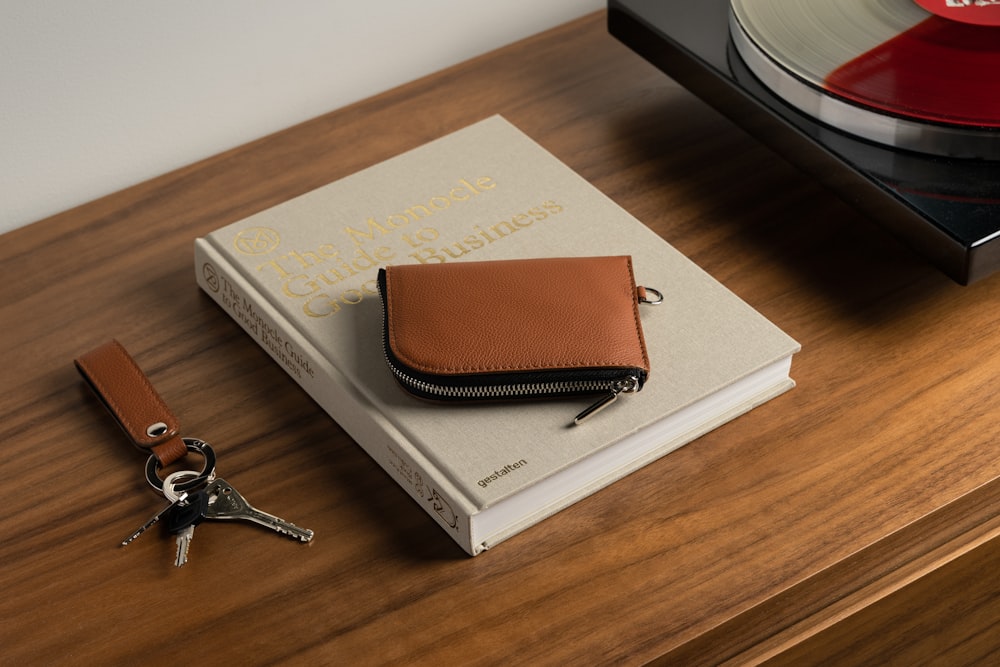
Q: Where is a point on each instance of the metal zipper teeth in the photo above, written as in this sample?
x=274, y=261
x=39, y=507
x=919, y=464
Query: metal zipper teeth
x=505, y=390
x=628, y=384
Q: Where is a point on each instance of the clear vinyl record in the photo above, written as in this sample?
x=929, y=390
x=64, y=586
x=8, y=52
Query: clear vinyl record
x=888, y=71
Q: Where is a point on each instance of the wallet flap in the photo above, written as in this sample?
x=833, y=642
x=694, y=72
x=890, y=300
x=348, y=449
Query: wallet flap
x=511, y=316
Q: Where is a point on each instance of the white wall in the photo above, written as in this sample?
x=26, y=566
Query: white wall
x=97, y=95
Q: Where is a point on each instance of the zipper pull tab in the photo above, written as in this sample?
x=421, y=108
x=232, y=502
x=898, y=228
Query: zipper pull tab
x=627, y=385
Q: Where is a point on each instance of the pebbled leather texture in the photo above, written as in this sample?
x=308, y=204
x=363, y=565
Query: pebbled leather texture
x=515, y=315
x=130, y=397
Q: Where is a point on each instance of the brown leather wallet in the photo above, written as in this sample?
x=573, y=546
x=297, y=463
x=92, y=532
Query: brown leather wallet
x=515, y=329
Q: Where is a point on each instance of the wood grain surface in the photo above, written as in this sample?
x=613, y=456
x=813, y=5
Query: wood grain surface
x=793, y=531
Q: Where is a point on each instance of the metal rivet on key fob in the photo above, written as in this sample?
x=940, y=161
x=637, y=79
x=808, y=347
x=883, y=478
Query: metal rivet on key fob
x=156, y=430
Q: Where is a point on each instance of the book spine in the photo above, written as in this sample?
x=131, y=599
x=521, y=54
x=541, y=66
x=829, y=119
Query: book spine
x=332, y=391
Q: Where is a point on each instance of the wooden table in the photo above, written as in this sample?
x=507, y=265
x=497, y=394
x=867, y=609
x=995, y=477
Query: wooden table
x=853, y=519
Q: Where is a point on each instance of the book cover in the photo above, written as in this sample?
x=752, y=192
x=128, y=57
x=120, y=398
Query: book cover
x=301, y=278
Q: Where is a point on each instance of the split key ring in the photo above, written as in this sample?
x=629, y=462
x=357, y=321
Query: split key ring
x=206, y=475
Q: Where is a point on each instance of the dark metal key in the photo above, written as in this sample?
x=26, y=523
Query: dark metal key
x=226, y=504
x=156, y=517
x=175, y=498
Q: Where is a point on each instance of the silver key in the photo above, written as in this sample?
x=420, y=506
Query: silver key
x=183, y=544
x=182, y=519
x=226, y=504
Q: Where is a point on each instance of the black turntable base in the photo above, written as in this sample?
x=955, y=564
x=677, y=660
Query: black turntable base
x=945, y=208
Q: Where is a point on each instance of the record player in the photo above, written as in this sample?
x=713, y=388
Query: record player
x=932, y=184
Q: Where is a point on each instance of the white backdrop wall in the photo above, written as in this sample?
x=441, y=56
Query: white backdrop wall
x=97, y=95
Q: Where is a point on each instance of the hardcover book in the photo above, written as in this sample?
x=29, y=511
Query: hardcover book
x=301, y=279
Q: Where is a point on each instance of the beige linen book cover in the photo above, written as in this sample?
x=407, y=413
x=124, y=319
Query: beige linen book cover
x=301, y=279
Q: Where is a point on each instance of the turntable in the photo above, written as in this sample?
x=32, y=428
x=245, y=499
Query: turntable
x=893, y=104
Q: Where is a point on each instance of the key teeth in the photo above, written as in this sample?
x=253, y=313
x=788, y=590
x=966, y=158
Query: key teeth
x=300, y=534
x=130, y=539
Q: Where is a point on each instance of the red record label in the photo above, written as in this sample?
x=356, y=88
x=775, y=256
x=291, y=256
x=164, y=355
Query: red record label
x=939, y=70
x=978, y=12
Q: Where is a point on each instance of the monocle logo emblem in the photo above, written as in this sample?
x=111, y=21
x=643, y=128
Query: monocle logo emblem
x=211, y=276
x=256, y=241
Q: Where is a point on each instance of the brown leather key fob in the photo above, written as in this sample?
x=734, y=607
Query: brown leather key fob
x=133, y=402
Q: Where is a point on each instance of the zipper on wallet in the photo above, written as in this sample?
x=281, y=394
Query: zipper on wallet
x=626, y=385
x=609, y=389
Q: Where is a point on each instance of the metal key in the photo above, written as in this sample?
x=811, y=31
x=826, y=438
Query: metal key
x=174, y=498
x=226, y=504
x=182, y=519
